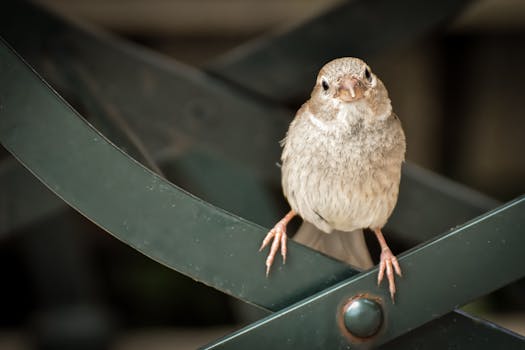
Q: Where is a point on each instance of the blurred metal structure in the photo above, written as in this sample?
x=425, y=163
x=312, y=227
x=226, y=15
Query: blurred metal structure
x=191, y=127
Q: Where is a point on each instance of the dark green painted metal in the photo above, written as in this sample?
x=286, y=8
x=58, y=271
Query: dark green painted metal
x=457, y=330
x=430, y=204
x=362, y=317
x=438, y=276
x=138, y=206
x=284, y=66
x=196, y=170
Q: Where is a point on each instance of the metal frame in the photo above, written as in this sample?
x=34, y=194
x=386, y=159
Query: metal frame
x=141, y=201
x=425, y=294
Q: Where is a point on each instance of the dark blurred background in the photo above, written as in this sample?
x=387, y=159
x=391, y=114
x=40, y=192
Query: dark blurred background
x=459, y=92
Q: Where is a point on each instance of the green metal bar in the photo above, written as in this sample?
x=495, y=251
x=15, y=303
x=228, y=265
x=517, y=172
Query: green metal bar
x=457, y=330
x=430, y=204
x=283, y=67
x=478, y=257
x=139, y=207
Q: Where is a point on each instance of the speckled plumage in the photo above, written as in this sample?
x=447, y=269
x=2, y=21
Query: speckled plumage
x=341, y=170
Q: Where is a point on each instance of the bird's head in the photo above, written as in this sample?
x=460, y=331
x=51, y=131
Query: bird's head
x=349, y=80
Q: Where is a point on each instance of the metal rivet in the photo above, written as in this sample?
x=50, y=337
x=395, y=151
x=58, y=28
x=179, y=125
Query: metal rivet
x=362, y=317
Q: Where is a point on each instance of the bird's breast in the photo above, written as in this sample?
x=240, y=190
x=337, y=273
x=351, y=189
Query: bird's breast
x=342, y=180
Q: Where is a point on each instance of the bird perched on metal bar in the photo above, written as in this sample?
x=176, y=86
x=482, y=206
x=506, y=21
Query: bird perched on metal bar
x=341, y=167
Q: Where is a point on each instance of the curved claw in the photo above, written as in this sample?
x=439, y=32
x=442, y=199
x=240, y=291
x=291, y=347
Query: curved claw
x=267, y=239
x=278, y=234
x=390, y=264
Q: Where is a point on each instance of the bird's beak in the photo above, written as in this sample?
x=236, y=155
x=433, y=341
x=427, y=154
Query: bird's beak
x=350, y=89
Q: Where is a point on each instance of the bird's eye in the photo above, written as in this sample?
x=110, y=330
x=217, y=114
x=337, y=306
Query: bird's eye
x=325, y=85
x=368, y=75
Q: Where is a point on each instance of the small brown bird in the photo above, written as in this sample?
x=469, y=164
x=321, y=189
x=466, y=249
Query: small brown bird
x=341, y=166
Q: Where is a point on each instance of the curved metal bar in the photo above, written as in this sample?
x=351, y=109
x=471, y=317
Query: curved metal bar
x=457, y=330
x=280, y=67
x=478, y=257
x=139, y=207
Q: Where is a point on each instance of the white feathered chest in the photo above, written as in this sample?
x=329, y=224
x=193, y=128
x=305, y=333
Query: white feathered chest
x=343, y=173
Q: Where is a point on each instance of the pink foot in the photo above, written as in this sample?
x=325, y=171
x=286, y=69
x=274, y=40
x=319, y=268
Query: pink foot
x=278, y=234
x=388, y=263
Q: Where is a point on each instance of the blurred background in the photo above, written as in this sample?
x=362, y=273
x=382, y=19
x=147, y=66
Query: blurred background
x=458, y=91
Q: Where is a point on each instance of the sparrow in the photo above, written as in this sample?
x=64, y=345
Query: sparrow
x=341, y=167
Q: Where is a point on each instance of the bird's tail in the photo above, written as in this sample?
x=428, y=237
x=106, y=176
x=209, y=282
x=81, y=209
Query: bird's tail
x=349, y=247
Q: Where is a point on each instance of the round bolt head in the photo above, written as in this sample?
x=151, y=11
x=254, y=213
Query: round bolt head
x=363, y=317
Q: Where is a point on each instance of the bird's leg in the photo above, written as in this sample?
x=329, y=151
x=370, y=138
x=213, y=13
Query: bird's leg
x=388, y=263
x=278, y=234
